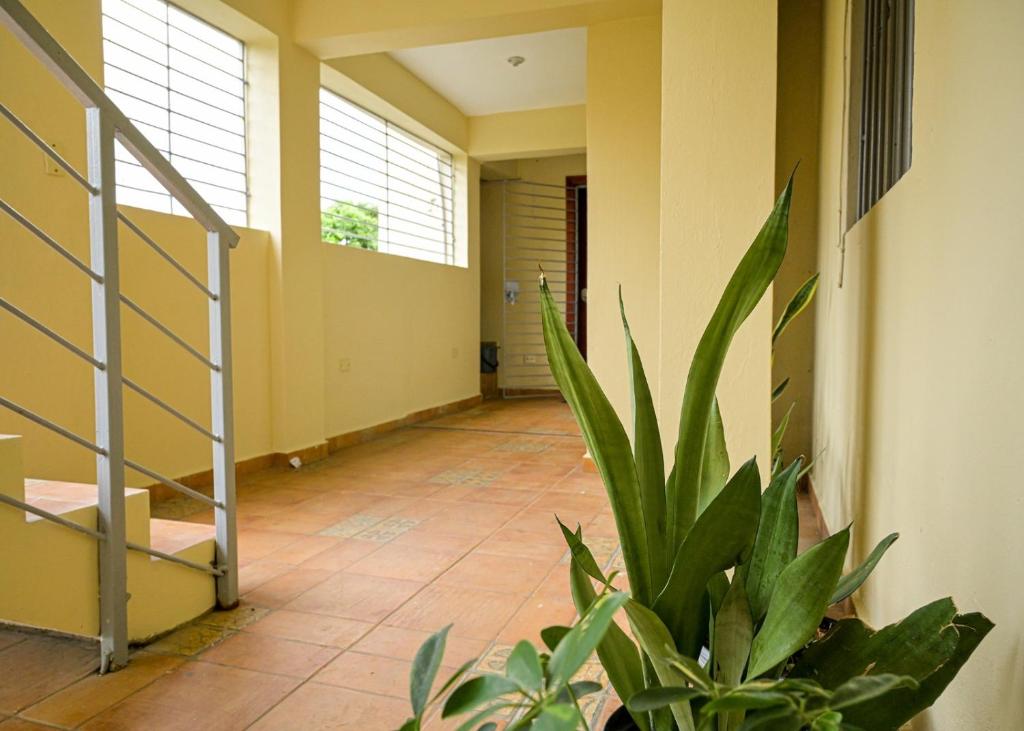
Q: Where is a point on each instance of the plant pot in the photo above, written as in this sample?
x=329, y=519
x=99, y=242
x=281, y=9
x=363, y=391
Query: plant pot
x=621, y=721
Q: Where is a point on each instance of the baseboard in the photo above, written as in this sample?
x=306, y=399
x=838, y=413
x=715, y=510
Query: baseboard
x=203, y=481
x=530, y=392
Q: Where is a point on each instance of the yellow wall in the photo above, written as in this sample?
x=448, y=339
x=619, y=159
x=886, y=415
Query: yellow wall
x=529, y=133
x=42, y=376
x=796, y=143
x=918, y=359
x=717, y=187
x=293, y=304
x=624, y=147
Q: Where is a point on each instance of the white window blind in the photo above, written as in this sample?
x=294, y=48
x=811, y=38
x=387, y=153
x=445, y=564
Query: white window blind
x=382, y=188
x=182, y=82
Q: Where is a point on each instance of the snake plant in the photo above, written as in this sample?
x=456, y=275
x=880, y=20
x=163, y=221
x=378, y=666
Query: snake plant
x=726, y=615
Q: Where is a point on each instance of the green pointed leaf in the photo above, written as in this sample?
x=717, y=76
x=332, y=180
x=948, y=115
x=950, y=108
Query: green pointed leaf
x=583, y=688
x=652, y=699
x=424, y=669
x=745, y=289
x=896, y=708
x=617, y=652
x=721, y=538
x=523, y=666
x=455, y=677
x=829, y=721
x=413, y=724
x=650, y=462
x=489, y=726
x=552, y=635
x=780, y=431
x=734, y=632
x=778, y=534
x=798, y=603
x=485, y=713
x=864, y=688
x=582, y=640
x=801, y=298
x=777, y=719
x=580, y=552
x=780, y=389
x=558, y=717
x=716, y=460
x=475, y=692
x=743, y=700
x=606, y=441
x=852, y=581
x=659, y=647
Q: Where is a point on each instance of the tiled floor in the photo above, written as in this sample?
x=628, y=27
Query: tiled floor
x=346, y=567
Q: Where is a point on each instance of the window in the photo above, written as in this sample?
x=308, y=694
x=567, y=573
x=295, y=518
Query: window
x=883, y=120
x=182, y=82
x=382, y=188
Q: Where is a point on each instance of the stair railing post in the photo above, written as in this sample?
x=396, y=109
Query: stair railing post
x=222, y=419
x=106, y=338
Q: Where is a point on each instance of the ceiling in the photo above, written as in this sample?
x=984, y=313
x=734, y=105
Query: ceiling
x=477, y=78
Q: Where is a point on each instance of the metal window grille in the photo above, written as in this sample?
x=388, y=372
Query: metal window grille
x=382, y=188
x=182, y=82
x=887, y=74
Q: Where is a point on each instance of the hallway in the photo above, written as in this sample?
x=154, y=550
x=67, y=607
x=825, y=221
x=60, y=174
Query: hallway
x=346, y=567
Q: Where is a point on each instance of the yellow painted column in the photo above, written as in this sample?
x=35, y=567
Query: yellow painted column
x=717, y=186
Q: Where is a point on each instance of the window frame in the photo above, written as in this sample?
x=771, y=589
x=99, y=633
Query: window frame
x=447, y=246
x=880, y=141
x=204, y=137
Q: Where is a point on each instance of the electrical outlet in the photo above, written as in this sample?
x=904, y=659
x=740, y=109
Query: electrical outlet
x=345, y=365
x=52, y=168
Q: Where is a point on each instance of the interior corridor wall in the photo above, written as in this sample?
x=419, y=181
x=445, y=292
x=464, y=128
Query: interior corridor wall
x=623, y=184
x=918, y=395
x=45, y=378
x=717, y=187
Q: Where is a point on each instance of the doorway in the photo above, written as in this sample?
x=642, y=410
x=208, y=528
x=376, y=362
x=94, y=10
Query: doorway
x=576, y=259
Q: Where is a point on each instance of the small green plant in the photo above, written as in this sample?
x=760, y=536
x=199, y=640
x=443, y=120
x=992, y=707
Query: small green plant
x=745, y=651
x=537, y=689
x=352, y=225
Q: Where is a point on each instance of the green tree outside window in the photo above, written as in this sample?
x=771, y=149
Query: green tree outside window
x=349, y=224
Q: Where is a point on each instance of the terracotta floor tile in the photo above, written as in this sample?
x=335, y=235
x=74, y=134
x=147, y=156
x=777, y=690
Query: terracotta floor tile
x=196, y=697
x=242, y=615
x=318, y=707
x=255, y=544
x=303, y=549
x=21, y=724
x=432, y=540
x=370, y=673
x=318, y=629
x=475, y=613
x=344, y=554
x=270, y=655
x=281, y=590
x=522, y=545
x=354, y=596
x=38, y=666
x=402, y=644
x=10, y=637
x=506, y=574
x=537, y=613
x=254, y=573
x=95, y=693
x=405, y=562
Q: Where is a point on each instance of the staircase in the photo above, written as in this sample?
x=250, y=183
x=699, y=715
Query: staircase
x=56, y=570
x=89, y=559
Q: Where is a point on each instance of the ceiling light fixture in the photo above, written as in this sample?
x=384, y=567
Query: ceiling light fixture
x=516, y=61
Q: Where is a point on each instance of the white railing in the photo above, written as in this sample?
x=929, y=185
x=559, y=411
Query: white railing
x=105, y=124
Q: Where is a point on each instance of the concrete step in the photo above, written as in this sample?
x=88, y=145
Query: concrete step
x=175, y=536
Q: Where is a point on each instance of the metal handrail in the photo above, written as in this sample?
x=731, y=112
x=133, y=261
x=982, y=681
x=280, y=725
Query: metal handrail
x=53, y=335
x=50, y=152
x=105, y=125
x=49, y=240
x=152, y=398
x=169, y=333
x=45, y=47
x=52, y=426
x=134, y=228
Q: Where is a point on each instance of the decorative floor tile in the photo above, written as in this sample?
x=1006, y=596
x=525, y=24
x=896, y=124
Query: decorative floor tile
x=351, y=526
x=388, y=529
x=236, y=618
x=189, y=640
x=473, y=477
